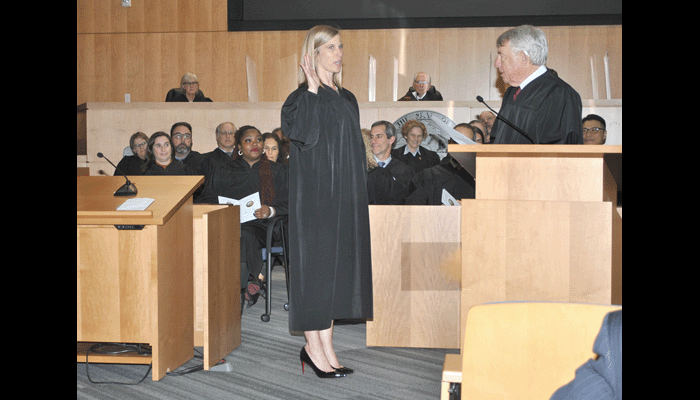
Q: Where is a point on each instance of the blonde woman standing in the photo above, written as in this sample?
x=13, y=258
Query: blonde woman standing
x=330, y=259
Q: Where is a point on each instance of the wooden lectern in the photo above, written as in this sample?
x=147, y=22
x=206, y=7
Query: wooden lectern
x=135, y=269
x=543, y=226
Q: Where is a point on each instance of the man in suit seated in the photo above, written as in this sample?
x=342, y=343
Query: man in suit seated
x=389, y=182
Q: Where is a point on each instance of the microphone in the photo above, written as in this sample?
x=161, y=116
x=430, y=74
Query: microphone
x=512, y=125
x=128, y=189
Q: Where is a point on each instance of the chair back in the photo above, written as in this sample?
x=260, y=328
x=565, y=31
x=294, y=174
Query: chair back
x=527, y=350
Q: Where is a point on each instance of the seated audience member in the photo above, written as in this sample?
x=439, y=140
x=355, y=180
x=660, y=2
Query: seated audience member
x=481, y=128
x=226, y=144
x=413, y=154
x=422, y=90
x=159, y=157
x=273, y=148
x=599, y=378
x=389, y=182
x=427, y=185
x=470, y=132
x=250, y=172
x=594, y=129
x=188, y=91
x=131, y=165
x=181, y=135
x=284, y=139
x=487, y=118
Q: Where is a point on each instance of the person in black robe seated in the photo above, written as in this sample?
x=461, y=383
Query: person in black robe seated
x=389, y=181
x=250, y=172
x=422, y=89
x=542, y=108
x=226, y=145
x=427, y=185
x=131, y=165
x=188, y=91
x=159, y=157
x=274, y=148
x=413, y=154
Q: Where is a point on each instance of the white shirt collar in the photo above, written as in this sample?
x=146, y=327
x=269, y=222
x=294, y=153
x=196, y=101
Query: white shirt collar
x=406, y=151
x=415, y=94
x=538, y=72
x=386, y=162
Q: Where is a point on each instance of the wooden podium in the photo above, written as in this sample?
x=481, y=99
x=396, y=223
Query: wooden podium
x=543, y=226
x=134, y=275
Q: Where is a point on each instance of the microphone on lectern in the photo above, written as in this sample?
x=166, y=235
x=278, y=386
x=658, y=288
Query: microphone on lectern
x=128, y=189
x=512, y=125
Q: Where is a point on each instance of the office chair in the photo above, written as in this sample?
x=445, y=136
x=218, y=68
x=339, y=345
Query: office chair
x=270, y=252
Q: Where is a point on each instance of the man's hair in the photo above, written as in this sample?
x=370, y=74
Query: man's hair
x=389, y=128
x=594, y=117
x=528, y=39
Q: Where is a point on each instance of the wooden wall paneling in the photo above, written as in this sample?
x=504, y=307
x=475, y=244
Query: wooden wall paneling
x=356, y=62
x=465, y=65
x=85, y=67
x=217, y=82
x=136, y=67
x=236, y=73
x=99, y=16
x=460, y=61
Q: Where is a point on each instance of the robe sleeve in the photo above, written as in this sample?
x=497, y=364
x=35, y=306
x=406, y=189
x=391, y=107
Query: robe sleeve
x=300, y=118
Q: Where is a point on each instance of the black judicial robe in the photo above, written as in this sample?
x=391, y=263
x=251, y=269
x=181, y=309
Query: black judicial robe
x=424, y=159
x=130, y=165
x=548, y=110
x=329, y=241
x=389, y=185
x=174, y=168
x=218, y=157
x=237, y=179
x=428, y=184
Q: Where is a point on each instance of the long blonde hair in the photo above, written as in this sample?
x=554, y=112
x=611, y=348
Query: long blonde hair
x=315, y=38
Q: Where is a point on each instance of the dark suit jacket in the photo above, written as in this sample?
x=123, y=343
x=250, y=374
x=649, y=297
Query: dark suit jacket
x=601, y=378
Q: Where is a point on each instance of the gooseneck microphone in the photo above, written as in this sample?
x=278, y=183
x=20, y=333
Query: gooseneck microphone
x=128, y=189
x=502, y=118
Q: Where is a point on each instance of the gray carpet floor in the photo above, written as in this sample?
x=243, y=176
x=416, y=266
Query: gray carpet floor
x=266, y=366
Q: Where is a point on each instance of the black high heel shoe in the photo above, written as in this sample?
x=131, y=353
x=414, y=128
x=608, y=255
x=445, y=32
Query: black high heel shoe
x=304, y=358
x=343, y=370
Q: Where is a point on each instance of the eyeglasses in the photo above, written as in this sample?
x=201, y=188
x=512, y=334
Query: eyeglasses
x=190, y=83
x=226, y=133
x=593, y=130
x=421, y=82
x=140, y=144
x=181, y=136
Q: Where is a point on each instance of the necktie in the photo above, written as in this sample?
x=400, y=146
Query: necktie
x=517, y=92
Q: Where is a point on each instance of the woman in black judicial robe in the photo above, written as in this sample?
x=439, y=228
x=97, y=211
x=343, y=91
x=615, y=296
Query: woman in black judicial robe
x=132, y=165
x=160, y=160
x=249, y=172
x=330, y=259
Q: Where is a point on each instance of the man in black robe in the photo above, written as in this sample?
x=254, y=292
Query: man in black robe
x=226, y=145
x=422, y=89
x=388, y=183
x=546, y=109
